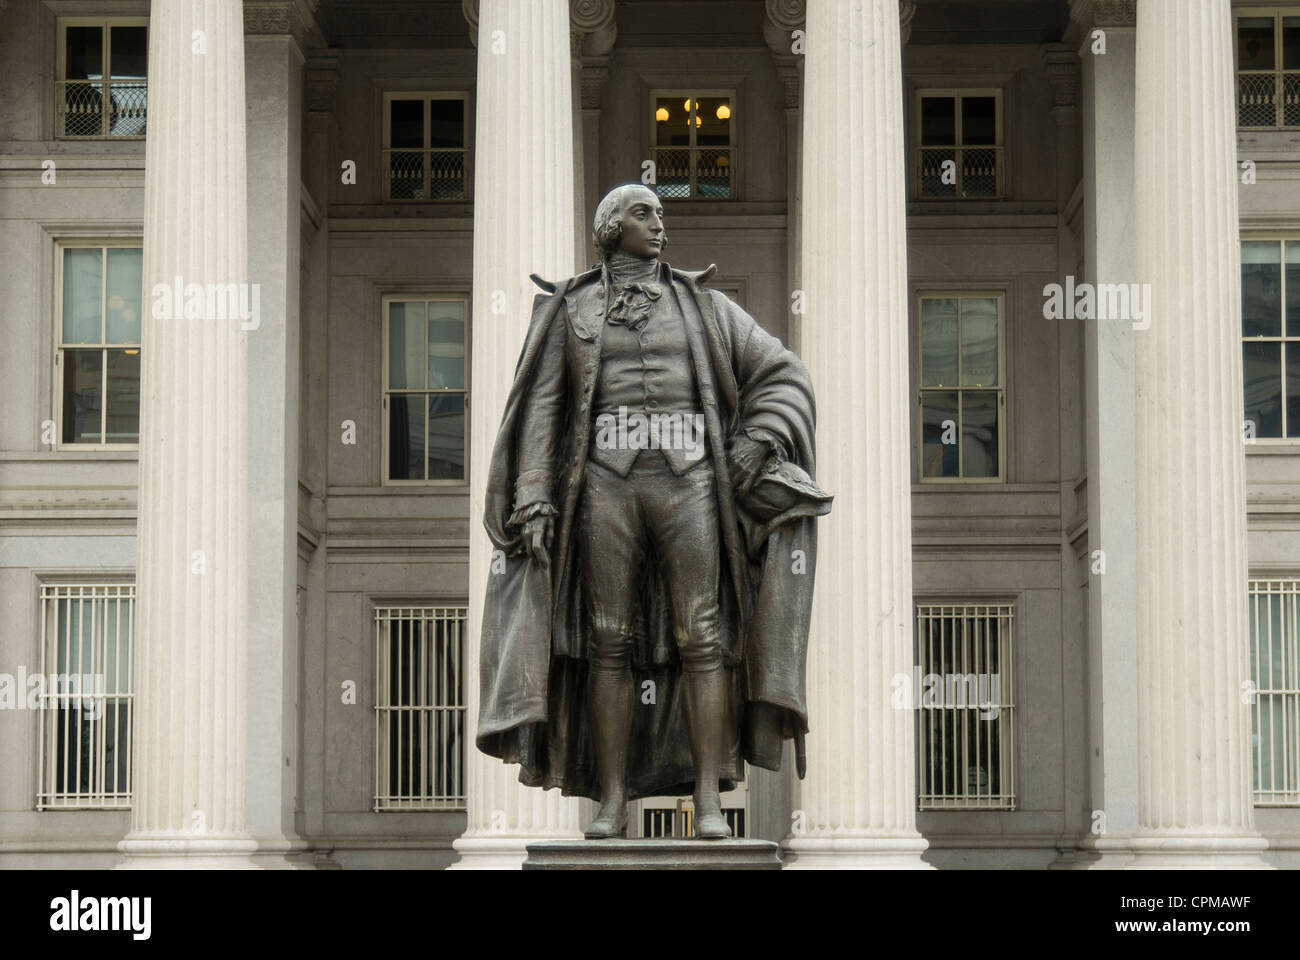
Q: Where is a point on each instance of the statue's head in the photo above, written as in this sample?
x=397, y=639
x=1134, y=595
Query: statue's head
x=630, y=219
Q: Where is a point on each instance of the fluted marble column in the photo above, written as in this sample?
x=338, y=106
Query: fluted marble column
x=858, y=803
x=190, y=722
x=523, y=223
x=1193, y=727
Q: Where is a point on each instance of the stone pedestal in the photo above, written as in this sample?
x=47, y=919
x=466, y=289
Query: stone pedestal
x=653, y=855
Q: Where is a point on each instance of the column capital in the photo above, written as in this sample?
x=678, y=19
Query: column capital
x=595, y=71
x=296, y=18
x=1103, y=13
x=324, y=69
x=592, y=30
x=1061, y=64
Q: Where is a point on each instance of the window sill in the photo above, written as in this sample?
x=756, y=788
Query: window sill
x=74, y=453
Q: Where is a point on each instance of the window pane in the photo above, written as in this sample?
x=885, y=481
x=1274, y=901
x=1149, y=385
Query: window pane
x=938, y=343
x=1293, y=389
x=83, y=272
x=123, y=396
x=1255, y=47
x=124, y=272
x=1293, y=289
x=1291, y=43
x=938, y=121
x=979, y=120
x=85, y=53
x=447, y=345
x=447, y=437
x=130, y=47
x=406, y=345
x=406, y=123
x=1261, y=289
x=979, y=434
x=671, y=118
x=979, y=343
x=939, y=424
x=714, y=128
x=83, y=382
x=447, y=123
x=406, y=437
x=1263, y=379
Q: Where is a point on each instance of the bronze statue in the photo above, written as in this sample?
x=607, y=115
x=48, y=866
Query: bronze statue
x=653, y=511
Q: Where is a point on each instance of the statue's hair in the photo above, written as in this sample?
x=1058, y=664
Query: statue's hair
x=607, y=229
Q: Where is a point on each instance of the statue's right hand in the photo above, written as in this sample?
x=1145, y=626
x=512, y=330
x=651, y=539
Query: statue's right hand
x=538, y=534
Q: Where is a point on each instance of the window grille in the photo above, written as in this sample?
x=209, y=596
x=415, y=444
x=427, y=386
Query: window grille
x=959, y=144
x=425, y=152
x=678, y=820
x=419, y=708
x=1268, y=68
x=1275, y=672
x=963, y=693
x=85, y=696
x=102, y=86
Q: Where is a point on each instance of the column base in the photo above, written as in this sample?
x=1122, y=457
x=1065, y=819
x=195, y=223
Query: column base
x=1157, y=851
x=855, y=853
x=498, y=852
x=172, y=852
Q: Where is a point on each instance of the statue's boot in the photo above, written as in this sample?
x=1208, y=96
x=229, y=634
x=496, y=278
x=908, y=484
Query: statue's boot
x=704, y=701
x=610, y=702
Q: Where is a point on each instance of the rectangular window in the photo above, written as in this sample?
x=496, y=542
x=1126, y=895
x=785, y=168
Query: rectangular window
x=963, y=694
x=97, y=358
x=424, y=388
x=1275, y=673
x=961, y=396
x=694, y=144
x=1268, y=68
x=425, y=146
x=1270, y=329
x=102, y=84
x=959, y=144
x=86, y=696
x=420, y=708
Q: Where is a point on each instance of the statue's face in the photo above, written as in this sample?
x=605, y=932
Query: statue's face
x=643, y=224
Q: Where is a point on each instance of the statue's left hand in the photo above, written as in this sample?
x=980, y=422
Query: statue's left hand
x=746, y=457
x=538, y=533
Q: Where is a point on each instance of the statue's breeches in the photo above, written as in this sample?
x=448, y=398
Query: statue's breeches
x=622, y=522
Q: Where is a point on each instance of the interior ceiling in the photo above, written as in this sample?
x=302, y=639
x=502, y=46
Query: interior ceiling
x=440, y=23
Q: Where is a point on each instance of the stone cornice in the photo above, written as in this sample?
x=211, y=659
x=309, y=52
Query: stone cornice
x=296, y=18
x=1104, y=13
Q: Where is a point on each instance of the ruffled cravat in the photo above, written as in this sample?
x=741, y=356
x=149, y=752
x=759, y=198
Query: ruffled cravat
x=632, y=290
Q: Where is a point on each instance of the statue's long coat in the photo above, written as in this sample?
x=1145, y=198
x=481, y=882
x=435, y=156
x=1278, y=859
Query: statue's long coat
x=533, y=667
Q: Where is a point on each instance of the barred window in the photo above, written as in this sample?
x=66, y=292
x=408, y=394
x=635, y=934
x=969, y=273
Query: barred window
x=1268, y=68
x=963, y=693
x=98, y=355
x=419, y=708
x=1275, y=672
x=694, y=144
x=85, y=696
x=425, y=389
x=1270, y=329
x=958, y=136
x=666, y=817
x=426, y=150
x=961, y=392
x=102, y=85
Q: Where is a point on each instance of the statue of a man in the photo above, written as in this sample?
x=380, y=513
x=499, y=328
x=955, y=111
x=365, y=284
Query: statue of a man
x=652, y=506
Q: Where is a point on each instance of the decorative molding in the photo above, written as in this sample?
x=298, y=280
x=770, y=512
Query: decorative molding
x=1061, y=64
x=588, y=16
x=470, y=9
x=595, y=71
x=1104, y=13
x=786, y=14
x=324, y=69
x=906, y=11
x=271, y=18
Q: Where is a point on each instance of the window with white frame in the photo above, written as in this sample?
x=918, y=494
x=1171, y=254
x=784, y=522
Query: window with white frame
x=694, y=144
x=424, y=389
x=425, y=146
x=963, y=694
x=1270, y=322
x=85, y=691
x=102, y=85
x=961, y=392
x=1275, y=674
x=1268, y=67
x=419, y=708
x=959, y=144
x=97, y=358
